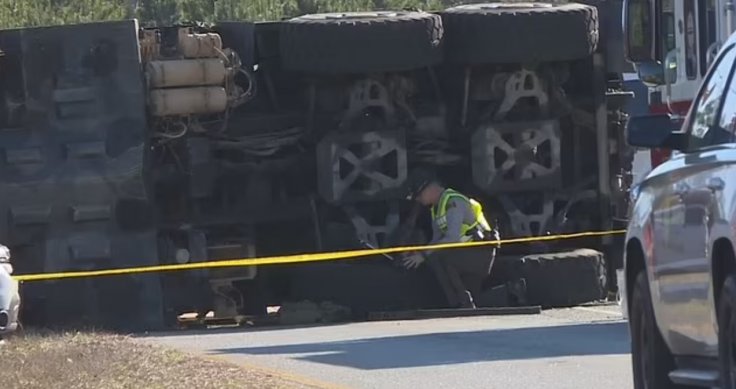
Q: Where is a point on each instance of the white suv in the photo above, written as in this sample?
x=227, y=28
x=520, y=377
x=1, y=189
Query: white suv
x=680, y=263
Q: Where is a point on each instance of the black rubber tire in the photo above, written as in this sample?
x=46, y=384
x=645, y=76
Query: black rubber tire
x=727, y=332
x=498, y=33
x=365, y=42
x=564, y=279
x=647, y=342
x=366, y=285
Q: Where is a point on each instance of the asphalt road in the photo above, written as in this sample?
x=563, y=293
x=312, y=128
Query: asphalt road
x=582, y=347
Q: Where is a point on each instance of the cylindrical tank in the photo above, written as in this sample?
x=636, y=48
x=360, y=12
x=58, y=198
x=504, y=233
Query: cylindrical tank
x=186, y=72
x=207, y=45
x=188, y=101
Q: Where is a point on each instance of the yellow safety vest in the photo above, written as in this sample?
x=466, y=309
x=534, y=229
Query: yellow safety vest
x=439, y=214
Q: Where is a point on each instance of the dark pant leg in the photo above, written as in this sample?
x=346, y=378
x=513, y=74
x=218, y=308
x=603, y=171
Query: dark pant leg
x=437, y=263
x=461, y=272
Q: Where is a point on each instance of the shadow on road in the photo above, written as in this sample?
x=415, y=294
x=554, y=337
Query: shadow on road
x=234, y=330
x=458, y=347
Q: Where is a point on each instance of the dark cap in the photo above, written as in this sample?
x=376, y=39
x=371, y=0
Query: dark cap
x=418, y=181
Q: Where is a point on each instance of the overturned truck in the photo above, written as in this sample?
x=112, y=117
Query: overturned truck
x=128, y=146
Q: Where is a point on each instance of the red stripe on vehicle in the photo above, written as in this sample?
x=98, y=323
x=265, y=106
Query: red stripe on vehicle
x=679, y=107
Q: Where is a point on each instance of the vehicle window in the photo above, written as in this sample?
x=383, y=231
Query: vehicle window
x=727, y=121
x=667, y=35
x=639, y=24
x=691, y=50
x=668, y=26
x=706, y=31
x=704, y=124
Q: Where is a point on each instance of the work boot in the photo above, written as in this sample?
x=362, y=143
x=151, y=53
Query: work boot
x=517, y=291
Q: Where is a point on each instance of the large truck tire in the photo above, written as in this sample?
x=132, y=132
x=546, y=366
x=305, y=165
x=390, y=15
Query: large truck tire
x=611, y=35
x=365, y=286
x=361, y=42
x=564, y=279
x=498, y=33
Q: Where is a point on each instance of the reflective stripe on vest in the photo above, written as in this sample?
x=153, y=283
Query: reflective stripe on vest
x=439, y=214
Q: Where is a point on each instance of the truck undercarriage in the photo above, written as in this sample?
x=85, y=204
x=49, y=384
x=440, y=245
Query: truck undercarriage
x=126, y=146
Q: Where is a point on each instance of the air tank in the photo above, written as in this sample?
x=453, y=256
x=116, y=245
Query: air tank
x=186, y=72
x=205, y=45
x=188, y=101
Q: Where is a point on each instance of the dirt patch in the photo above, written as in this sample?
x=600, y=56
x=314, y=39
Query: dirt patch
x=94, y=360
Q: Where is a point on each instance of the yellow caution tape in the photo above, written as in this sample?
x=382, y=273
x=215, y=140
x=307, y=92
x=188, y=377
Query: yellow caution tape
x=299, y=258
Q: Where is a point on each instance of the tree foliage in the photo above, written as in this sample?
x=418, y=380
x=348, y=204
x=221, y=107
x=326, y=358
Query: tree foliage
x=21, y=13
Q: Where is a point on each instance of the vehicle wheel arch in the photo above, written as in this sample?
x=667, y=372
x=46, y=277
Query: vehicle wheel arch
x=635, y=263
x=723, y=273
x=723, y=263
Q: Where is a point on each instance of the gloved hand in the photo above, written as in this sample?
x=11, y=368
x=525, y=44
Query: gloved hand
x=413, y=261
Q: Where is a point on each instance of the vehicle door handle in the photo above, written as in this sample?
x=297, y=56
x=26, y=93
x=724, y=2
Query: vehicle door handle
x=716, y=184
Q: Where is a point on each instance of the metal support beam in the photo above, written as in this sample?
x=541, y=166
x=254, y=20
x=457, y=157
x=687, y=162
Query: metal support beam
x=466, y=96
x=602, y=141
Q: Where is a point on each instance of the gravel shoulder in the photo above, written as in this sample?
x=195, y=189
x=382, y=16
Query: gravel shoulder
x=98, y=360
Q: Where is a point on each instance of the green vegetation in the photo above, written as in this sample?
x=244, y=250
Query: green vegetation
x=20, y=13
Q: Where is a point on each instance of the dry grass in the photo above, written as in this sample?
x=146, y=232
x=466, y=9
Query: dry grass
x=93, y=360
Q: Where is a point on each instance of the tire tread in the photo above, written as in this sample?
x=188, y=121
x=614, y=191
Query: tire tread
x=406, y=41
x=495, y=36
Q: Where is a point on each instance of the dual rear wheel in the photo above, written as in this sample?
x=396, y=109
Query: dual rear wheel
x=396, y=41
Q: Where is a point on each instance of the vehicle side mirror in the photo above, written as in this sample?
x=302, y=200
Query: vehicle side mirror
x=670, y=67
x=654, y=131
x=651, y=73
